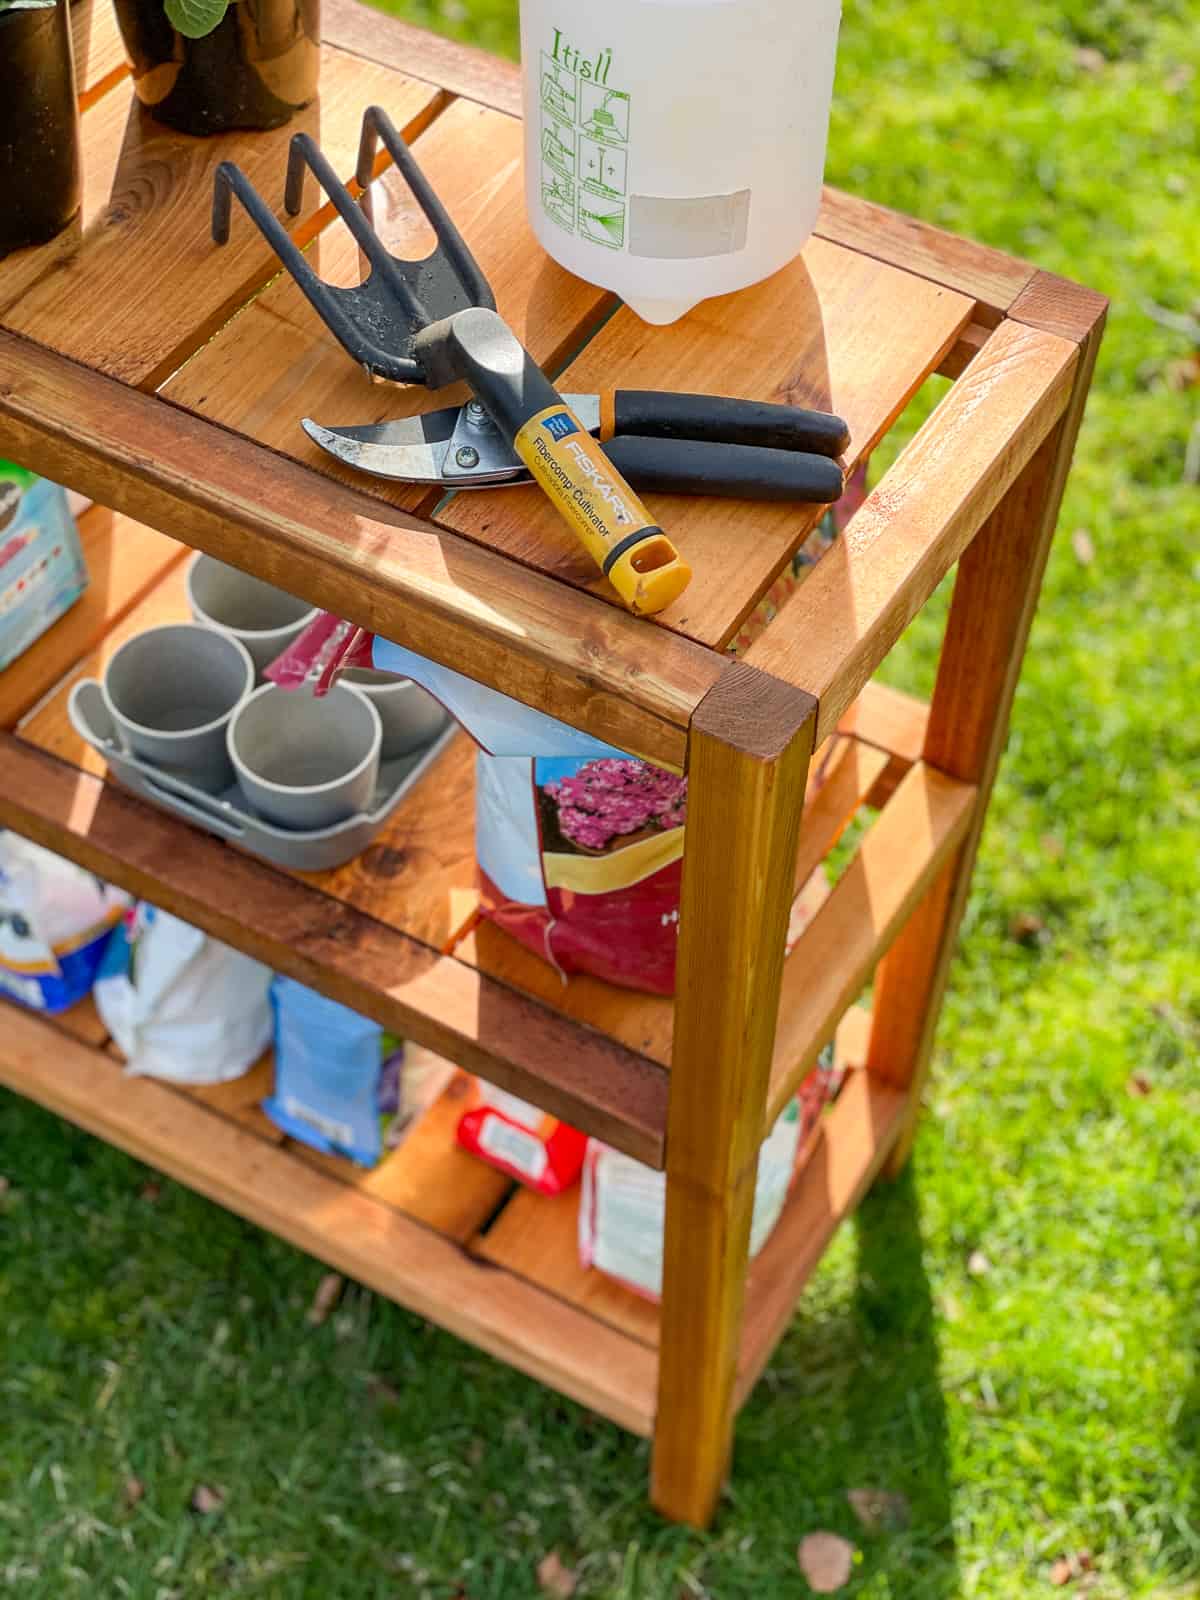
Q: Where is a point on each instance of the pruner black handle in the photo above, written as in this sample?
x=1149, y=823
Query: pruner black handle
x=653, y=414
x=732, y=471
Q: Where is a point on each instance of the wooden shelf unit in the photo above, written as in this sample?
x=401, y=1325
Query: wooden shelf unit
x=166, y=379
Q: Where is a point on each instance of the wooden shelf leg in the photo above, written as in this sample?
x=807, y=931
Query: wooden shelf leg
x=749, y=748
x=995, y=596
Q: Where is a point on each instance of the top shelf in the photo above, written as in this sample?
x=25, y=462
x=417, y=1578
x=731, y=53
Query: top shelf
x=167, y=378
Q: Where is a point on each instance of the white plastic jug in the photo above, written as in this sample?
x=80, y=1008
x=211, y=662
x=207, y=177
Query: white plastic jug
x=674, y=149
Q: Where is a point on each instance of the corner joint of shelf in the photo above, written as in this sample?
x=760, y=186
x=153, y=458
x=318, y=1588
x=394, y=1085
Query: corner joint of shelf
x=755, y=713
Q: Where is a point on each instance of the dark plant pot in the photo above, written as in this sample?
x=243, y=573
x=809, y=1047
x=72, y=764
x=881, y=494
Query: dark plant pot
x=258, y=66
x=39, y=126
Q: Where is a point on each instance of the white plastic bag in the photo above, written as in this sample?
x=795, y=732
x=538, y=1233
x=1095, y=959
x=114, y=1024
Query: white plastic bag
x=55, y=920
x=622, y=1208
x=180, y=1005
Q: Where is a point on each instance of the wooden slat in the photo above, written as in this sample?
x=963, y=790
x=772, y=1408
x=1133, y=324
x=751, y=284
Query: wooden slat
x=852, y=1145
x=99, y=55
x=463, y=70
x=125, y=560
x=577, y=1075
x=276, y=363
x=750, y=747
x=429, y=1177
x=146, y=285
x=82, y=1020
x=995, y=595
x=896, y=862
x=571, y=656
x=538, y=1238
x=835, y=330
x=893, y=722
x=334, y=1221
x=986, y=275
x=642, y=1022
x=970, y=342
x=854, y=605
x=837, y=787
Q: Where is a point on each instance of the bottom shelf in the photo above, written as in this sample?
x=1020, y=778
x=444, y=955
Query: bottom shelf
x=439, y=1232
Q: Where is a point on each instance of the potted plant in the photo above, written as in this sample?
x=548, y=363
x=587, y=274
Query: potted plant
x=39, y=123
x=206, y=66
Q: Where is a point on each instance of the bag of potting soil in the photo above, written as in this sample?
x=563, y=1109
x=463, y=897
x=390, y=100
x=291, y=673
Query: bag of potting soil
x=55, y=920
x=182, y=1006
x=337, y=1075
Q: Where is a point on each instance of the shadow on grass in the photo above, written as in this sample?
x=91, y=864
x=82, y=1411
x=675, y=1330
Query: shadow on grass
x=896, y=1415
x=853, y=1400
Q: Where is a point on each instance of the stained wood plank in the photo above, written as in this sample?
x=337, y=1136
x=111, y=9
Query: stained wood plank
x=82, y=1020
x=410, y=989
x=977, y=270
x=853, y=1143
x=995, y=596
x=429, y=1177
x=145, y=285
x=914, y=836
x=581, y=661
x=537, y=1238
x=335, y=1222
x=276, y=363
x=854, y=605
x=893, y=722
x=125, y=560
x=458, y=67
x=750, y=747
x=1058, y=305
x=99, y=55
x=835, y=330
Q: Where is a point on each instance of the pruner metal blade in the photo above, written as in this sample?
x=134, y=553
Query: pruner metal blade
x=458, y=447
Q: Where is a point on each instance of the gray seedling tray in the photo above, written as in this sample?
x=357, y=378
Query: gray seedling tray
x=228, y=816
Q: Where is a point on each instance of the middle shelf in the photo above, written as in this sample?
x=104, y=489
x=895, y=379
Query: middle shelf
x=395, y=933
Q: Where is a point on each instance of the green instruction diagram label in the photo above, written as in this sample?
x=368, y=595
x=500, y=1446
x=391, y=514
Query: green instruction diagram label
x=584, y=144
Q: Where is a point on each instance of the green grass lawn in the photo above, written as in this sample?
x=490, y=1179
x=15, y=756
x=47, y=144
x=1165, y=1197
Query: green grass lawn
x=1046, y=1406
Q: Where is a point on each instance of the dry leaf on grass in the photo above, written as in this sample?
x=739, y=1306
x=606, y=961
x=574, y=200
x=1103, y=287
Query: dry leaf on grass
x=205, y=1500
x=382, y=1392
x=826, y=1560
x=1085, y=550
x=133, y=1491
x=329, y=1292
x=1026, y=928
x=1139, y=1085
x=150, y=1191
x=1067, y=1568
x=878, y=1509
x=554, y=1578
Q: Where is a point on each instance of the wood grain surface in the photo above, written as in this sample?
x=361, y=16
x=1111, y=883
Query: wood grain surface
x=99, y=54
x=833, y=632
x=143, y=285
x=573, y=657
x=836, y=331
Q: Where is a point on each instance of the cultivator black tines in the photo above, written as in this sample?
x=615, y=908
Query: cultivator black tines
x=377, y=321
